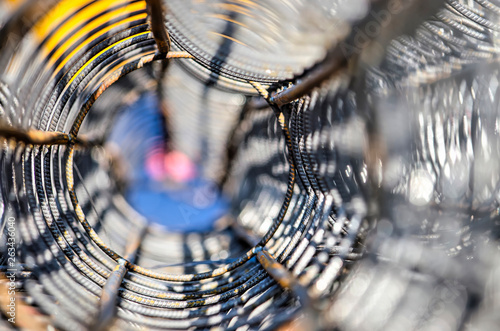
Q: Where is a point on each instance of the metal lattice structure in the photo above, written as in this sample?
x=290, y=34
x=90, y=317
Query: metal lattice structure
x=358, y=142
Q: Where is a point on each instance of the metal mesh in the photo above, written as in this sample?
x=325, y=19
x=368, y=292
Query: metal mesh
x=358, y=143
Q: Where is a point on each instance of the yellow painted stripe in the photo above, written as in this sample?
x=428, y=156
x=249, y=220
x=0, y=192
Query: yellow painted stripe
x=234, y=8
x=112, y=70
x=14, y=2
x=101, y=52
x=60, y=12
x=227, y=18
x=228, y=37
x=84, y=15
x=70, y=42
x=246, y=3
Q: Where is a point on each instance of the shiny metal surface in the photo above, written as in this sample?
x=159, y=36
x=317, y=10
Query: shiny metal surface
x=357, y=142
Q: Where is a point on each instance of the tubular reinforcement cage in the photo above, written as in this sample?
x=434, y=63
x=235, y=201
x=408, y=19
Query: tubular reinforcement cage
x=357, y=142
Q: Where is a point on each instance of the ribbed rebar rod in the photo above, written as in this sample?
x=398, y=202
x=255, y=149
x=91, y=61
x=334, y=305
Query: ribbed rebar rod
x=37, y=137
x=156, y=13
x=352, y=47
x=109, y=296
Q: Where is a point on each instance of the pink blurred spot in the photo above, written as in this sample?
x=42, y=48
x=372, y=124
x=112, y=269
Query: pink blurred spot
x=155, y=166
x=179, y=167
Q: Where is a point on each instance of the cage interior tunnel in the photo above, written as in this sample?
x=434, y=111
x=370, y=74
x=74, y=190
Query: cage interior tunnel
x=250, y=165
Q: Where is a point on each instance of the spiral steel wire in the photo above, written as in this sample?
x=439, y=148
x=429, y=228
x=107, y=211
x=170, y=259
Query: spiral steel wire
x=358, y=142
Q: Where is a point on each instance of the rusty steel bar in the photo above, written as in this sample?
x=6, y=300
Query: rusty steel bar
x=156, y=13
x=371, y=50
x=109, y=295
x=282, y=276
x=37, y=137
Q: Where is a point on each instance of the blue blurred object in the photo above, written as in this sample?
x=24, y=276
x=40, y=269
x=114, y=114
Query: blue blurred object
x=191, y=206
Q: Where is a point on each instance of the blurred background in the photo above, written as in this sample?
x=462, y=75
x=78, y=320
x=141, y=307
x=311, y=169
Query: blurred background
x=241, y=165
